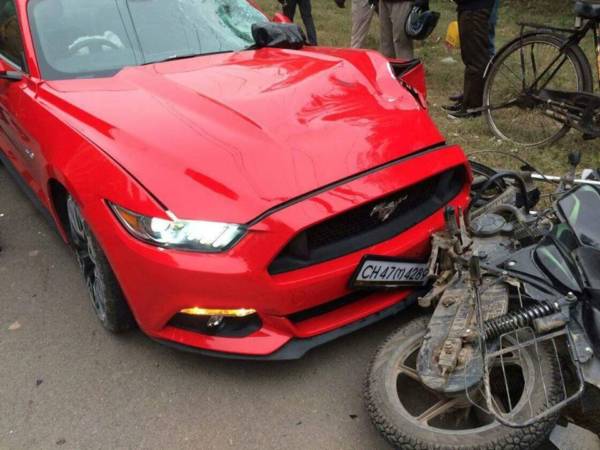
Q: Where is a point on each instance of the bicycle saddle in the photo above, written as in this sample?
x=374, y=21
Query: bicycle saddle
x=587, y=10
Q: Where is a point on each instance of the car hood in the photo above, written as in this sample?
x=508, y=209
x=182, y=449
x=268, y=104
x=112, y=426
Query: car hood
x=226, y=137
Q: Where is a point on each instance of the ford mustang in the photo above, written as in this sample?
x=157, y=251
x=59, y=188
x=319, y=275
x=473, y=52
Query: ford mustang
x=227, y=198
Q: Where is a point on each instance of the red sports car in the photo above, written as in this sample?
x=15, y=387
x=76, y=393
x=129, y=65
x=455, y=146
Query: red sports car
x=239, y=201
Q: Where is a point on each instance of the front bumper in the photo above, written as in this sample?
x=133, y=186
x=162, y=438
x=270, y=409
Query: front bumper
x=158, y=283
x=296, y=348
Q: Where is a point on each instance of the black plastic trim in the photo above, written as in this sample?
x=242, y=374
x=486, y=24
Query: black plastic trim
x=325, y=308
x=230, y=327
x=297, y=348
x=18, y=179
x=449, y=184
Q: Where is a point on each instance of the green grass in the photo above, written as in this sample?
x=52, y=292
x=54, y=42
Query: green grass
x=333, y=28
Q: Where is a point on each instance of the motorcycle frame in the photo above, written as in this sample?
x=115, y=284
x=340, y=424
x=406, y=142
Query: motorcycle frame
x=572, y=333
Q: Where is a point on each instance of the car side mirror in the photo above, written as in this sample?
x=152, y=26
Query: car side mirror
x=11, y=75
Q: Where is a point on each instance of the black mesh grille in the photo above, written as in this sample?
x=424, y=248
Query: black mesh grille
x=359, y=220
x=360, y=228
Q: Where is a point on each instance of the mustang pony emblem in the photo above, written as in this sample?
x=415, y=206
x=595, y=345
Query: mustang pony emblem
x=385, y=210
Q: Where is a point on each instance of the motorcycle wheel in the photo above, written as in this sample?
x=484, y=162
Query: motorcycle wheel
x=412, y=417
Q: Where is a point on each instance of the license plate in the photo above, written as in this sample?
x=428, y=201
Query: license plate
x=378, y=271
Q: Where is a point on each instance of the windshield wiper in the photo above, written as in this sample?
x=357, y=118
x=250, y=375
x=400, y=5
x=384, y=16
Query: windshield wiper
x=172, y=58
x=188, y=56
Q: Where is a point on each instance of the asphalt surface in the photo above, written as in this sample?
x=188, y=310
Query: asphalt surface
x=66, y=383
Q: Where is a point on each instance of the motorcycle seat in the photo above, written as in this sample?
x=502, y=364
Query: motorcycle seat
x=587, y=10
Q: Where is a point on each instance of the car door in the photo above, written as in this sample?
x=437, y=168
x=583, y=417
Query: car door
x=17, y=93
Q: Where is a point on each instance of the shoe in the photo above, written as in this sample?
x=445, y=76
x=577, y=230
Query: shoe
x=453, y=108
x=458, y=98
x=464, y=114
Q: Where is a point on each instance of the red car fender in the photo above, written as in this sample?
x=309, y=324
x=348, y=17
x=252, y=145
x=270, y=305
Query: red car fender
x=81, y=181
x=89, y=174
x=122, y=188
x=415, y=77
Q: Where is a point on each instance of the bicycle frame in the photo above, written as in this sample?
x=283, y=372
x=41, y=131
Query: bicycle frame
x=576, y=35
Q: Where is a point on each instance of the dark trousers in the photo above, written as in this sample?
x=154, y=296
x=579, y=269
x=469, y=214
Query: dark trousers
x=493, y=23
x=289, y=9
x=474, y=29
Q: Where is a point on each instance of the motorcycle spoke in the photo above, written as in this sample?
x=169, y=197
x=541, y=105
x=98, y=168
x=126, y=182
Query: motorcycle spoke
x=480, y=408
x=437, y=409
x=409, y=372
x=498, y=405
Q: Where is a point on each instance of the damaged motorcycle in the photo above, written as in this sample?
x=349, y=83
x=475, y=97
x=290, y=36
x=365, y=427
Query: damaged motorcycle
x=510, y=327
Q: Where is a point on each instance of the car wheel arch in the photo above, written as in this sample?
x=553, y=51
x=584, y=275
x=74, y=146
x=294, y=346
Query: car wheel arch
x=58, y=194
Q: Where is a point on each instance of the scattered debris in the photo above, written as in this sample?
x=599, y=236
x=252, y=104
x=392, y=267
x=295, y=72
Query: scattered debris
x=33, y=253
x=353, y=416
x=14, y=326
x=38, y=381
x=448, y=60
x=61, y=441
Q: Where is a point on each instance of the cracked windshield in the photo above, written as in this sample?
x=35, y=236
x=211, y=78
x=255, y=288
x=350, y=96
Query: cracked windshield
x=77, y=38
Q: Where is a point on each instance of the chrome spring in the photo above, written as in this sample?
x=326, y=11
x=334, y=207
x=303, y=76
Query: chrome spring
x=517, y=319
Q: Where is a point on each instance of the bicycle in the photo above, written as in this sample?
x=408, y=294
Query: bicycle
x=543, y=79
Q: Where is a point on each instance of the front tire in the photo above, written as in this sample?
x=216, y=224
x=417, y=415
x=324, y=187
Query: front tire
x=398, y=404
x=104, y=290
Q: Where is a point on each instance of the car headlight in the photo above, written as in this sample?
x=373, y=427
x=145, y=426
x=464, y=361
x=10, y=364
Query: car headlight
x=192, y=235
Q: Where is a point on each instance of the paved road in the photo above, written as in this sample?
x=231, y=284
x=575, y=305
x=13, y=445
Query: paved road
x=65, y=383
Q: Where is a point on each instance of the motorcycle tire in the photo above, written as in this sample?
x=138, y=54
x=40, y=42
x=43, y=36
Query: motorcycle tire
x=390, y=416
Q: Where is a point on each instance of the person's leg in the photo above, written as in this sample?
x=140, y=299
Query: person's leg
x=474, y=48
x=493, y=23
x=403, y=45
x=307, y=18
x=386, y=39
x=289, y=9
x=362, y=13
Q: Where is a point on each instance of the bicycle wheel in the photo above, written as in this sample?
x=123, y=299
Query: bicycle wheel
x=511, y=111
